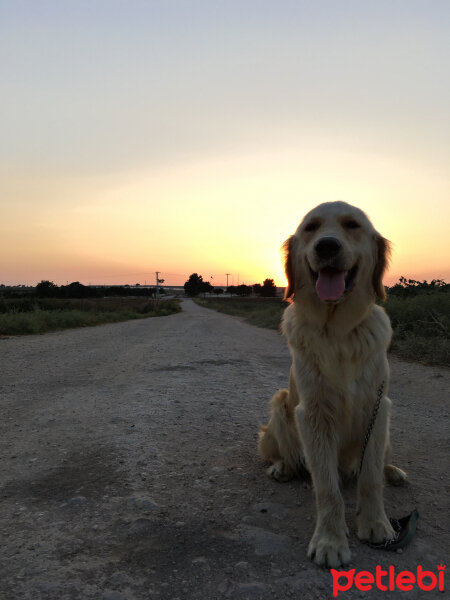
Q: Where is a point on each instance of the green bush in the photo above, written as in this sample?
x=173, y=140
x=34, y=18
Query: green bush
x=421, y=326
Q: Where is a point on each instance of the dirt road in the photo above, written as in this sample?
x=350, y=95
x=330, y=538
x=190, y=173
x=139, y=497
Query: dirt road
x=128, y=467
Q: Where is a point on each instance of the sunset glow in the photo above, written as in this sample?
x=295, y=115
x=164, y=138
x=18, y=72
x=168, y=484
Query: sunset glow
x=193, y=137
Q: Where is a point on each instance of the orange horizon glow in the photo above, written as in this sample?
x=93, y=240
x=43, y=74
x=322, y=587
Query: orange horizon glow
x=196, y=139
x=213, y=217
x=175, y=280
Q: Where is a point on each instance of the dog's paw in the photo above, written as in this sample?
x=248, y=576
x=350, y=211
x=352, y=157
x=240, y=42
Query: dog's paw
x=375, y=530
x=394, y=475
x=279, y=471
x=329, y=550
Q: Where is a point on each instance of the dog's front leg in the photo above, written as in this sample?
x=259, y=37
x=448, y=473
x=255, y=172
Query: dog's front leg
x=329, y=545
x=372, y=522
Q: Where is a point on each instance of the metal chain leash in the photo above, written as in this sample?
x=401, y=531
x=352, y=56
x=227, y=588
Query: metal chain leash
x=404, y=528
x=371, y=424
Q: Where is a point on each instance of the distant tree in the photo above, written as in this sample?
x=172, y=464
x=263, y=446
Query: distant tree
x=194, y=285
x=75, y=290
x=206, y=288
x=410, y=287
x=218, y=291
x=257, y=287
x=46, y=289
x=231, y=289
x=243, y=290
x=269, y=289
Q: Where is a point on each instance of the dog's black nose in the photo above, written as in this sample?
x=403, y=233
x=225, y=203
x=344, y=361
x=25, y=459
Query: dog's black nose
x=327, y=247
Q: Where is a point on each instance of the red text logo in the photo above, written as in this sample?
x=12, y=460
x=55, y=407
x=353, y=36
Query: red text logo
x=388, y=579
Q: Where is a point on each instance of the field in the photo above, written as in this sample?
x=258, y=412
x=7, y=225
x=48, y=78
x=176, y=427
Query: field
x=39, y=315
x=419, y=312
x=420, y=320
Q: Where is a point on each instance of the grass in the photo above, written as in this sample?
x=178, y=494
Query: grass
x=421, y=327
x=262, y=312
x=421, y=323
x=33, y=315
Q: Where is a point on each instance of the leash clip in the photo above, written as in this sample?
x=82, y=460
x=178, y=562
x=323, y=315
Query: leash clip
x=404, y=530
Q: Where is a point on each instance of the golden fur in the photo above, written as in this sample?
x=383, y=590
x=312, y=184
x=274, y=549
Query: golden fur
x=338, y=350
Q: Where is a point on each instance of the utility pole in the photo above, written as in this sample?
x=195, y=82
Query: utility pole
x=158, y=281
x=227, y=274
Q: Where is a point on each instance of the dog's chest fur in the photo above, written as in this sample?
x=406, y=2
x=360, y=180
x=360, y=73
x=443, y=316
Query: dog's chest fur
x=349, y=364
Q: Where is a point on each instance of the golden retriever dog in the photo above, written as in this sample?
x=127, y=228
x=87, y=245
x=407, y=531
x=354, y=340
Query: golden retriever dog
x=338, y=338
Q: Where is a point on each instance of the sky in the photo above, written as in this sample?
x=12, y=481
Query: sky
x=193, y=135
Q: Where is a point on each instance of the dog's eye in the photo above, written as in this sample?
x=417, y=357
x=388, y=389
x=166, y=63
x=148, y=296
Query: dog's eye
x=351, y=224
x=311, y=226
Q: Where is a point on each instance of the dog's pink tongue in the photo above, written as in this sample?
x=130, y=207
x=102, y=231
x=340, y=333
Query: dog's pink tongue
x=330, y=284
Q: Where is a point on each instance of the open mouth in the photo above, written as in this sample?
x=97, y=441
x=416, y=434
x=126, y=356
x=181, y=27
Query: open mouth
x=332, y=284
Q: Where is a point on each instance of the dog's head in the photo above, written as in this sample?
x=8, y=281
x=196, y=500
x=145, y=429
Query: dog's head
x=335, y=252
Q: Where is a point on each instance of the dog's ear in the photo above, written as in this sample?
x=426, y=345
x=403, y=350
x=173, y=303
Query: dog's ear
x=288, y=267
x=383, y=255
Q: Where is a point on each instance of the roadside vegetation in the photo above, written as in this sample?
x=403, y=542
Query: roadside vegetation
x=419, y=313
x=262, y=312
x=420, y=317
x=31, y=314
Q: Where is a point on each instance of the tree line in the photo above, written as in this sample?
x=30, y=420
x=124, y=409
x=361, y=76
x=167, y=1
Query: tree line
x=411, y=287
x=48, y=289
x=195, y=286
